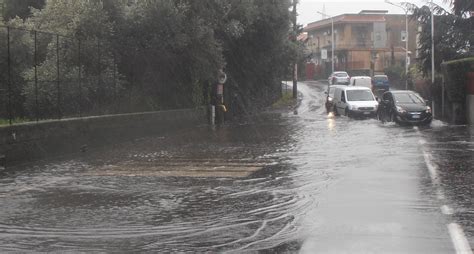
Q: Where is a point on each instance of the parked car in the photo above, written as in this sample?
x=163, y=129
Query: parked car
x=364, y=81
x=354, y=101
x=339, y=77
x=404, y=106
x=380, y=84
x=330, y=97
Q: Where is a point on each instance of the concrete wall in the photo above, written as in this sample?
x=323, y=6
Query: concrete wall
x=32, y=141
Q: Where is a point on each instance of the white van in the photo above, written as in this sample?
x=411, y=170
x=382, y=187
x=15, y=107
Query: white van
x=354, y=101
x=364, y=81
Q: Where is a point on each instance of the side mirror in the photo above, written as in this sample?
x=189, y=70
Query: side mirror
x=326, y=92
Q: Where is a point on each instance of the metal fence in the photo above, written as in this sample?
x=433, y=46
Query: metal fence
x=51, y=76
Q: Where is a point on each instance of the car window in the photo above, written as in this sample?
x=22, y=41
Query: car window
x=359, y=95
x=380, y=78
x=408, y=98
x=341, y=75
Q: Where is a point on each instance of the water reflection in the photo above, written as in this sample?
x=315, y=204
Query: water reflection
x=331, y=122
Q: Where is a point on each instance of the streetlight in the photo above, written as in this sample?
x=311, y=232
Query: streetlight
x=432, y=57
x=406, y=40
x=332, y=39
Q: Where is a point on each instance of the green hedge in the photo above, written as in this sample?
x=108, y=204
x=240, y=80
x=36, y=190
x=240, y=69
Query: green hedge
x=455, y=77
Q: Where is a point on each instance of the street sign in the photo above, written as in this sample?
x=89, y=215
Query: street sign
x=221, y=77
x=324, y=54
x=220, y=89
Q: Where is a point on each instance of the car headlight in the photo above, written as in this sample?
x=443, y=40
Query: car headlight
x=329, y=99
x=354, y=107
x=401, y=110
x=428, y=109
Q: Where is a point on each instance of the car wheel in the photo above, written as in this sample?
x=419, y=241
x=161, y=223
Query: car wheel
x=347, y=112
x=427, y=123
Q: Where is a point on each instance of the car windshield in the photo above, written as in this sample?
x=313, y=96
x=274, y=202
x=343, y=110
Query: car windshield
x=331, y=91
x=359, y=95
x=340, y=74
x=408, y=98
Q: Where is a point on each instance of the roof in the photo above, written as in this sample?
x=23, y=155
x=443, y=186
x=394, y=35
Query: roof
x=355, y=88
x=302, y=37
x=346, y=18
x=361, y=77
x=402, y=91
x=373, y=12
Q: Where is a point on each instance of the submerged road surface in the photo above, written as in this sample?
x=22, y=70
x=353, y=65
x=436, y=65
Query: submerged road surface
x=282, y=182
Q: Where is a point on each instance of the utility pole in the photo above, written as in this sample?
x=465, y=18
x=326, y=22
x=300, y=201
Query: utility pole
x=406, y=40
x=295, y=65
x=332, y=38
x=432, y=58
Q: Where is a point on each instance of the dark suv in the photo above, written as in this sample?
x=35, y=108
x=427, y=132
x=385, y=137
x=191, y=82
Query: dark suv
x=404, y=107
x=380, y=84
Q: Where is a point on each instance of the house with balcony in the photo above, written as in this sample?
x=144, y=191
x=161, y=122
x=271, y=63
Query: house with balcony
x=364, y=43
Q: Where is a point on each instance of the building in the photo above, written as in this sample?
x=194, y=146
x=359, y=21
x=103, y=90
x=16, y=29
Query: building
x=364, y=43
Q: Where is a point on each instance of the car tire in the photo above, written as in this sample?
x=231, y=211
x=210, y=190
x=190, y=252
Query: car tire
x=347, y=112
x=427, y=123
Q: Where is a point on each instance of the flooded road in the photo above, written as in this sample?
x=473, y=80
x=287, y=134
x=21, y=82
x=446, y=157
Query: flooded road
x=298, y=181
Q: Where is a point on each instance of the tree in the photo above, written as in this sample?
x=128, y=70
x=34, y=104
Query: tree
x=456, y=39
x=20, y=8
x=156, y=54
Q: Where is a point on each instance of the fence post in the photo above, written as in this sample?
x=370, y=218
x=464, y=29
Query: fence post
x=79, y=75
x=36, y=77
x=99, y=80
x=10, y=113
x=58, y=82
x=115, y=83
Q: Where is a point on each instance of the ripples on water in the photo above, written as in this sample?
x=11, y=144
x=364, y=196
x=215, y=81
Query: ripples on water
x=63, y=206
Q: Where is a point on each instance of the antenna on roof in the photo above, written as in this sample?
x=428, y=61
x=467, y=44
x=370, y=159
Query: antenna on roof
x=323, y=15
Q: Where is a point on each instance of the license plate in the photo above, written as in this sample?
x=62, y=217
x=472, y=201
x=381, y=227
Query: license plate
x=366, y=113
x=415, y=116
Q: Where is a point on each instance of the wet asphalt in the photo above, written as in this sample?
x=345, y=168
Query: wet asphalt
x=281, y=182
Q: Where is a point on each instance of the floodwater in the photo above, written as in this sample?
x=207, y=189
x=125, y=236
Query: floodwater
x=300, y=181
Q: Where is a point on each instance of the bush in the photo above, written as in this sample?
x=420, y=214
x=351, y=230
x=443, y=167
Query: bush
x=396, y=74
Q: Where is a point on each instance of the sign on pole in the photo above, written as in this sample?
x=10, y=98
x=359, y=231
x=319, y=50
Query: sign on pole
x=324, y=54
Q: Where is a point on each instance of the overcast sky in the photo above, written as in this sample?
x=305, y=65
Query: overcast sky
x=307, y=9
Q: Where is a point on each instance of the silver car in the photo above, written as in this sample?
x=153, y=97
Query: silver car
x=339, y=77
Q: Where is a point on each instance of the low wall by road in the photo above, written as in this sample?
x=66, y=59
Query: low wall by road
x=470, y=109
x=37, y=140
